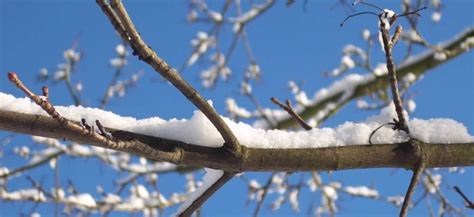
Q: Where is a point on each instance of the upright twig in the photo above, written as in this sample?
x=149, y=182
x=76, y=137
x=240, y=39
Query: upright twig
x=401, y=123
x=121, y=21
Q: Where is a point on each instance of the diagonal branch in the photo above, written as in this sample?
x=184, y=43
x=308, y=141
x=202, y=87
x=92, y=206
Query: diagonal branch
x=420, y=166
x=121, y=21
x=197, y=202
x=418, y=65
x=289, y=109
x=33, y=164
x=468, y=202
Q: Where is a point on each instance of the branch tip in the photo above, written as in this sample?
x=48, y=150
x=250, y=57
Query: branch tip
x=12, y=77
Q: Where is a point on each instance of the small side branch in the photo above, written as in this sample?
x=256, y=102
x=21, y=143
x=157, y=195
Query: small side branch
x=194, y=203
x=82, y=130
x=411, y=189
x=469, y=203
x=289, y=108
x=401, y=123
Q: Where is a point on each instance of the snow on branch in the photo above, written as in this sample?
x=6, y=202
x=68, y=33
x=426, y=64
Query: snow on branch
x=328, y=100
x=201, y=132
x=163, y=140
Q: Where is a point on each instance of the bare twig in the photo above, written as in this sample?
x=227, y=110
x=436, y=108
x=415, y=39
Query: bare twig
x=401, y=123
x=34, y=164
x=468, y=202
x=289, y=108
x=376, y=129
x=146, y=54
x=264, y=194
x=43, y=103
x=444, y=203
x=208, y=193
x=68, y=125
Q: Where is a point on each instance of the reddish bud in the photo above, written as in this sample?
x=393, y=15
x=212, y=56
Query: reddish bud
x=12, y=76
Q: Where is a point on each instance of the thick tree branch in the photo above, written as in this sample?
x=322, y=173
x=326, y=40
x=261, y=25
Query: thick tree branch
x=121, y=21
x=418, y=65
x=252, y=159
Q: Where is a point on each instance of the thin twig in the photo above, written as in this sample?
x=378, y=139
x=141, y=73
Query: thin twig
x=34, y=164
x=374, y=131
x=72, y=126
x=411, y=189
x=469, y=204
x=264, y=194
x=208, y=193
x=43, y=103
x=289, y=108
x=401, y=123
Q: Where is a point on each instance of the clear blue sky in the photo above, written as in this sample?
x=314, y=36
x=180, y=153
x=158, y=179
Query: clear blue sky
x=288, y=44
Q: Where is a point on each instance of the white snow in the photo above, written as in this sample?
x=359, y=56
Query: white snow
x=436, y=16
x=432, y=183
x=366, y=34
x=121, y=50
x=215, y=16
x=235, y=110
x=200, y=131
x=85, y=200
x=208, y=180
x=4, y=171
x=362, y=191
x=440, y=56
x=23, y=194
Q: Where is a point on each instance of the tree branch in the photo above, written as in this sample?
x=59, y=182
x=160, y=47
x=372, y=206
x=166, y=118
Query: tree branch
x=401, y=123
x=253, y=159
x=199, y=201
x=123, y=24
x=418, y=65
x=418, y=150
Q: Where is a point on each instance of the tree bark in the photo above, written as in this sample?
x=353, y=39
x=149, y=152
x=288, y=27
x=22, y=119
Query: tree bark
x=251, y=159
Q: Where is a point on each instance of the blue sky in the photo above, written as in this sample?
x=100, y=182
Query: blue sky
x=288, y=43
